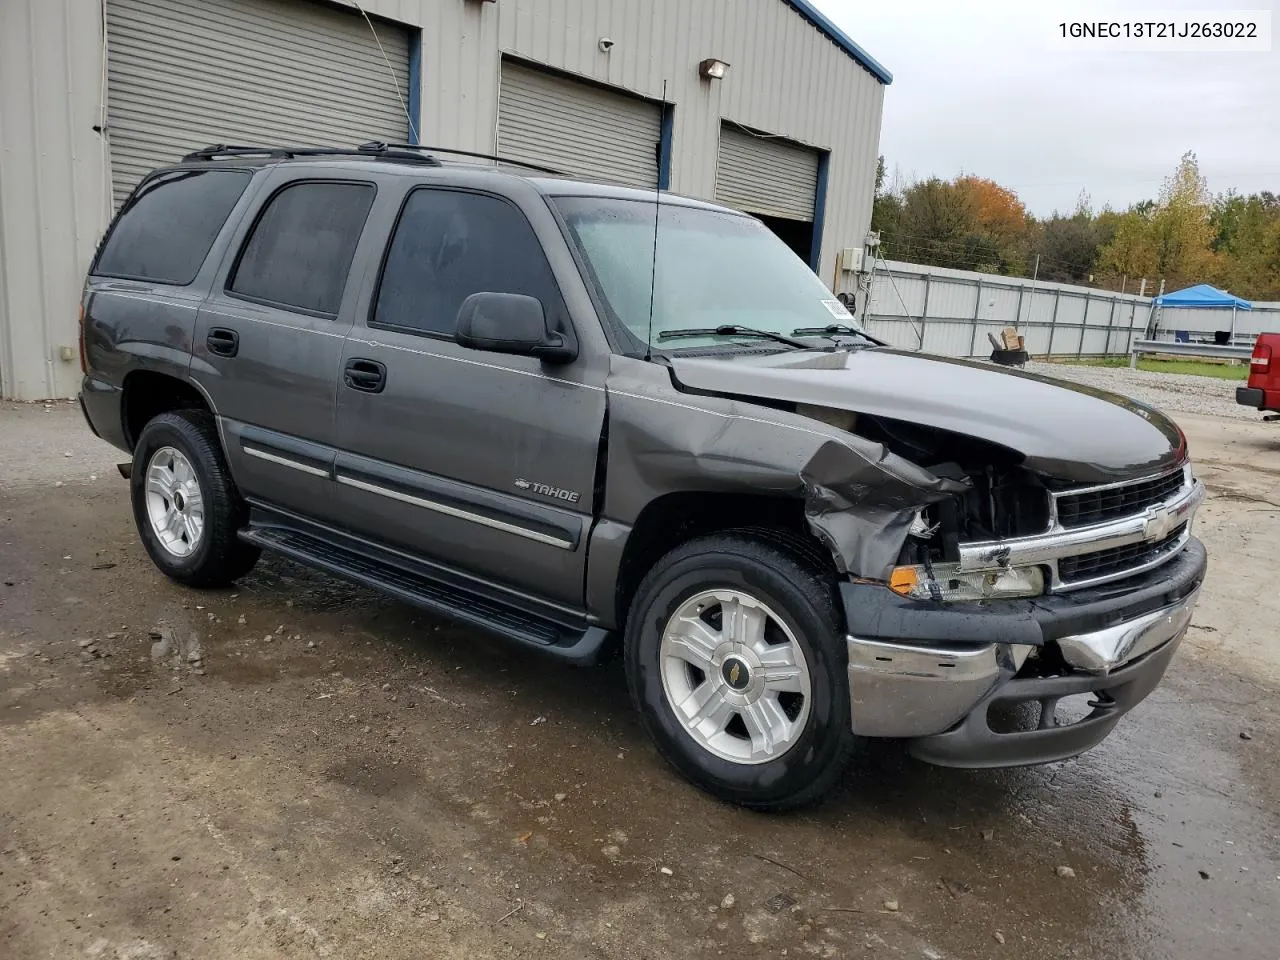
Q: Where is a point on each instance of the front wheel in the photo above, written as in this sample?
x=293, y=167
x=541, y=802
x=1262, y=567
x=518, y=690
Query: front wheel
x=736, y=661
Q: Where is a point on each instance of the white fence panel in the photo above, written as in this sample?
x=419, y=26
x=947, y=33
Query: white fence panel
x=1037, y=339
x=947, y=339
x=1095, y=341
x=1071, y=310
x=1098, y=311
x=956, y=309
x=959, y=301
x=999, y=303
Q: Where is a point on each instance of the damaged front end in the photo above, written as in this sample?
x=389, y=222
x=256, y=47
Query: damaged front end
x=991, y=497
x=1013, y=596
x=974, y=576
x=933, y=491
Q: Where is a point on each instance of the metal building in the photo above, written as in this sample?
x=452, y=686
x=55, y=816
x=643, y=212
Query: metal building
x=768, y=108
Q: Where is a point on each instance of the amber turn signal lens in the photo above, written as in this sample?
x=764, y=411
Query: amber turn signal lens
x=903, y=580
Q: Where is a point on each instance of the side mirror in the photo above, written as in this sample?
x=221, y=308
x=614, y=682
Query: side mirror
x=511, y=323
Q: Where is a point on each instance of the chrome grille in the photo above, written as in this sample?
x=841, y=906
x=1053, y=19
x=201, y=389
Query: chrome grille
x=1106, y=563
x=1100, y=504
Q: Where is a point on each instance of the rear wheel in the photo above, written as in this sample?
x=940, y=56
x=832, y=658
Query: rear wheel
x=736, y=661
x=185, y=505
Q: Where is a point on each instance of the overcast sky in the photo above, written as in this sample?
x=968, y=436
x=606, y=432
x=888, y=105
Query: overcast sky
x=977, y=88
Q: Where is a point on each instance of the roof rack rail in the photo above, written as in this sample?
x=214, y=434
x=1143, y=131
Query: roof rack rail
x=465, y=153
x=375, y=151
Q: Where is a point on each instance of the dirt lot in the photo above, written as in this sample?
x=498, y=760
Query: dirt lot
x=301, y=768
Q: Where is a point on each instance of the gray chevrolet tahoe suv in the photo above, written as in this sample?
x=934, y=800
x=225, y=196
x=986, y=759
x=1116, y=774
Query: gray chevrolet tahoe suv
x=483, y=393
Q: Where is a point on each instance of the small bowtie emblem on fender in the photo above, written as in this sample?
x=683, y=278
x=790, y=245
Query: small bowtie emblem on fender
x=546, y=490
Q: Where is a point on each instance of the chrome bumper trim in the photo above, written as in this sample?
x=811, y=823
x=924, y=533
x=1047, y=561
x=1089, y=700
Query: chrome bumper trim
x=1105, y=650
x=1048, y=548
x=901, y=690
x=905, y=690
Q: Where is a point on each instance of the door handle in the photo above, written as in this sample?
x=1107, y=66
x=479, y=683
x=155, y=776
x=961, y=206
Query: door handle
x=223, y=342
x=367, y=376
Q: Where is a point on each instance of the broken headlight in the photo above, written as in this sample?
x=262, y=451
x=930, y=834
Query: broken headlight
x=945, y=582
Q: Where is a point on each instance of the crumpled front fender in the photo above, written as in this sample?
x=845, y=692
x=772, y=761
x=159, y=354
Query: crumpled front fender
x=860, y=499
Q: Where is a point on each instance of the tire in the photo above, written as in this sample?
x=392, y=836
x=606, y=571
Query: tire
x=671, y=679
x=180, y=454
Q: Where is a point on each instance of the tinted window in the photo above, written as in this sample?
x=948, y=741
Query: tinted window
x=166, y=230
x=300, y=251
x=449, y=245
x=712, y=269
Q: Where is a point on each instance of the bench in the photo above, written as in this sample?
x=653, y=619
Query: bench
x=1179, y=349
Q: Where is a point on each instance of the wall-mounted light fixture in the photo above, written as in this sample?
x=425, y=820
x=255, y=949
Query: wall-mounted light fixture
x=712, y=69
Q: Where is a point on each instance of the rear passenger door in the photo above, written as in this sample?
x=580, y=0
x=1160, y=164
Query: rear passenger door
x=485, y=462
x=154, y=269
x=268, y=341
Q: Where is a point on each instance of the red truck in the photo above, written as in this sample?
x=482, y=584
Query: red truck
x=1263, y=389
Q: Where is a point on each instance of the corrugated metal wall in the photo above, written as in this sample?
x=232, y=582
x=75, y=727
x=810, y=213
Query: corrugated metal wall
x=950, y=312
x=577, y=128
x=785, y=78
x=303, y=74
x=766, y=175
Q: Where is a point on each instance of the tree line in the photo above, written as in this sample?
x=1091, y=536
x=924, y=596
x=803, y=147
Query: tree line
x=1185, y=236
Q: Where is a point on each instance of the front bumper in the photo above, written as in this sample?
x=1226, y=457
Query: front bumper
x=930, y=673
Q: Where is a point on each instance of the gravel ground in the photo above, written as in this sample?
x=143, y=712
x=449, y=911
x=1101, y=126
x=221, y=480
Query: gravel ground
x=298, y=767
x=1170, y=392
x=50, y=443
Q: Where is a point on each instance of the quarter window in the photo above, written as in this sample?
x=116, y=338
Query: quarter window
x=166, y=229
x=300, y=251
x=449, y=245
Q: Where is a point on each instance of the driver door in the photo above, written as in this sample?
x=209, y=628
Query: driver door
x=476, y=460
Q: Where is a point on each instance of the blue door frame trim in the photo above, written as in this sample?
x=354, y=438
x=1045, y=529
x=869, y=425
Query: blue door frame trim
x=415, y=86
x=664, y=146
x=819, y=210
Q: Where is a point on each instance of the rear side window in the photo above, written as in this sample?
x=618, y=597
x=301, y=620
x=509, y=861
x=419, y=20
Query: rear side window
x=449, y=245
x=299, y=253
x=169, y=224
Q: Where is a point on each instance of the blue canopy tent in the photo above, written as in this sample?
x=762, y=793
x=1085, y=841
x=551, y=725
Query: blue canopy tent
x=1205, y=296
x=1202, y=295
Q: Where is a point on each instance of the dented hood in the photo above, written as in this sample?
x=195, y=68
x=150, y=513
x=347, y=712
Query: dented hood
x=1065, y=431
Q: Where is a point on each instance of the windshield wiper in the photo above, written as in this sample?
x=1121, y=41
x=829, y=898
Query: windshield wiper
x=829, y=329
x=732, y=330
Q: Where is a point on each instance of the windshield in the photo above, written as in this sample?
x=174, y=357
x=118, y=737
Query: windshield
x=713, y=269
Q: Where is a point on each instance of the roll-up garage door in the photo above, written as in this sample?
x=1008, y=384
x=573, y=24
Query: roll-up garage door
x=183, y=74
x=578, y=128
x=766, y=175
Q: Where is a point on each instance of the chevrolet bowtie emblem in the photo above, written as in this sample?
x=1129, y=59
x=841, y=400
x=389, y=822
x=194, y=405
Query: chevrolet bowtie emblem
x=1159, y=525
x=733, y=675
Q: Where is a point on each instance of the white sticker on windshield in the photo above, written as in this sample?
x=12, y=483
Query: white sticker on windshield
x=837, y=309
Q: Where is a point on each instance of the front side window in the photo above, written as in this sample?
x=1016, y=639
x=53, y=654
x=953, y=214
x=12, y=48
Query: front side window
x=449, y=245
x=165, y=231
x=300, y=251
x=713, y=269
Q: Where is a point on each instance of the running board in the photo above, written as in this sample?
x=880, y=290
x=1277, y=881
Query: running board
x=576, y=643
